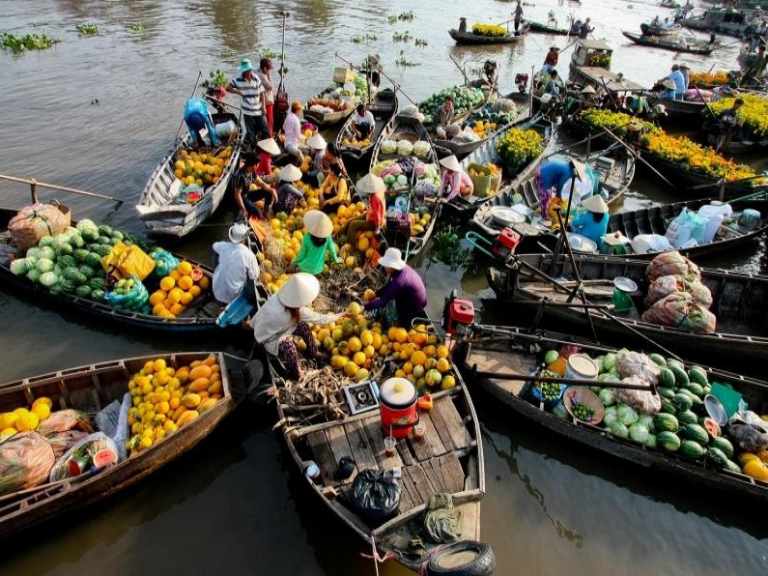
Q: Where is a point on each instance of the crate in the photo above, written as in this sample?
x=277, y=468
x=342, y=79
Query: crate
x=343, y=75
x=481, y=183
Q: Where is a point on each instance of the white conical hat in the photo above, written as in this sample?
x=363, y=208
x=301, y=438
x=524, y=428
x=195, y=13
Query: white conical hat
x=595, y=204
x=317, y=142
x=290, y=173
x=299, y=290
x=318, y=224
x=370, y=184
x=452, y=163
x=269, y=146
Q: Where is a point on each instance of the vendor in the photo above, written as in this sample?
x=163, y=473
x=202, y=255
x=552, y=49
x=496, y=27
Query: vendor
x=463, y=25
x=590, y=97
x=443, y=117
x=316, y=244
x=593, y=223
x=334, y=191
x=237, y=269
x=332, y=156
x=552, y=86
x=375, y=217
x=317, y=149
x=727, y=125
x=675, y=84
x=404, y=287
x=267, y=149
x=455, y=181
x=292, y=130
x=288, y=195
x=363, y=123
x=551, y=176
x=242, y=182
x=551, y=59
x=196, y=117
x=287, y=313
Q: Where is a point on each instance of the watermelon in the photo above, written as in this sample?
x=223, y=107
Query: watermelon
x=731, y=466
x=97, y=283
x=83, y=291
x=87, y=271
x=667, y=393
x=665, y=422
x=47, y=252
x=687, y=417
x=105, y=241
x=44, y=265
x=658, y=359
x=75, y=276
x=699, y=375
x=93, y=260
x=80, y=254
x=692, y=450
x=66, y=261
x=668, y=441
x=717, y=456
x=682, y=401
x=650, y=442
x=64, y=248
x=694, y=399
x=98, y=294
x=45, y=241
x=696, y=433
x=90, y=234
x=118, y=235
x=667, y=407
x=105, y=230
x=104, y=458
x=712, y=427
x=66, y=285
x=102, y=250
x=724, y=445
x=49, y=279
x=667, y=378
x=20, y=266
x=114, y=241
x=34, y=275
x=681, y=378
x=696, y=389
x=674, y=362
x=35, y=252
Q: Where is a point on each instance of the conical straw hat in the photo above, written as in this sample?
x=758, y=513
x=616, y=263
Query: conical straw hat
x=318, y=224
x=299, y=290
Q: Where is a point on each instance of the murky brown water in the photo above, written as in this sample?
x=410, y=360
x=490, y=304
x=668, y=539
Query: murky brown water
x=231, y=506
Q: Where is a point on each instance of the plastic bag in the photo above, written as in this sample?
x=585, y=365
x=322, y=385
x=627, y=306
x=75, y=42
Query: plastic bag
x=680, y=310
x=666, y=285
x=37, y=221
x=749, y=431
x=63, y=420
x=84, y=450
x=113, y=421
x=672, y=263
x=25, y=461
x=375, y=495
x=63, y=441
x=630, y=364
x=165, y=262
x=128, y=296
x=125, y=261
x=686, y=226
x=643, y=401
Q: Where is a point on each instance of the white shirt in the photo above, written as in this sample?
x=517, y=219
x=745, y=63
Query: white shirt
x=273, y=322
x=366, y=118
x=292, y=129
x=236, y=265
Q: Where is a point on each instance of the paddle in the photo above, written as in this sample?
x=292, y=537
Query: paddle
x=466, y=78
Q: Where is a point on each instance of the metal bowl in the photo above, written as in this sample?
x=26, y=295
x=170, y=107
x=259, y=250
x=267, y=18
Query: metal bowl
x=715, y=409
x=581, y=395
x=582, y=244
x=625, y=284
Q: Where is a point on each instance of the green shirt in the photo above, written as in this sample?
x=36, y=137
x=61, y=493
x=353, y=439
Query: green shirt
x=311, y=258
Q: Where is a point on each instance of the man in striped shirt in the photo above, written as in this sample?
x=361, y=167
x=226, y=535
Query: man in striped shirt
x=254, y=101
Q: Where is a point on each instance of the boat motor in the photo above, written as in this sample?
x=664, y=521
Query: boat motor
x=458, y=317
x=521, y=80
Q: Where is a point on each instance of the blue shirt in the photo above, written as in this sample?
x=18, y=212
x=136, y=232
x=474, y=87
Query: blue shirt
x=585, y=225
x=555, y=173
x=677, y=77
x=197, y=117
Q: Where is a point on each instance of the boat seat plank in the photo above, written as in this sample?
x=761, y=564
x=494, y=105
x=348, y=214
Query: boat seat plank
x=323, y=455
x=450, y=470
x=435, y=474
x=507, y=363
x=361, y=448
x=376, y=438
x=432, y=437
x=420, y=482
x=337, y=441
x=454, y=425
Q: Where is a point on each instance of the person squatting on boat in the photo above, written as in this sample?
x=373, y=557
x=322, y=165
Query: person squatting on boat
x=404, y=287
x=196, y=117
x=248, y=188
x=237, y=269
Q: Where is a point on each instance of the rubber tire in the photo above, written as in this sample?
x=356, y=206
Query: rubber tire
x=483, y=564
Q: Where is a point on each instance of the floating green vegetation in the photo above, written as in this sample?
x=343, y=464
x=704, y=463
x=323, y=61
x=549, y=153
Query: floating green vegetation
x=403, y=62
x=87, y=29
x=27, y=42
x=420, y=42
x=136, y=27
x=447, y=249
x=402, y=36
x=268, y=53
x=360, y=38
x=402, y=17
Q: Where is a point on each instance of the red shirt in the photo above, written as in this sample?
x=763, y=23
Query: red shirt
x=264, y=167
x=376, y=213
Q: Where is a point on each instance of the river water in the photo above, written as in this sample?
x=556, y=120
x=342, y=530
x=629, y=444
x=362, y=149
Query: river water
x=99, y=113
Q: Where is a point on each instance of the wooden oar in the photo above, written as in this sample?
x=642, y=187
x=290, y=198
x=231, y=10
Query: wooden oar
x=637, y=156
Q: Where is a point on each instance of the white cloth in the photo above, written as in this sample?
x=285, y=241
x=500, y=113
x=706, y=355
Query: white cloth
x=292, y=129
x=236, y=265
x=273, y=322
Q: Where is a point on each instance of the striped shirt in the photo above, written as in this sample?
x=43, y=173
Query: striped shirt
x=251, y=91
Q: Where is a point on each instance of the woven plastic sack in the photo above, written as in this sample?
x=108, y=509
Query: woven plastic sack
x=38, y=221
x=672, y=263
x=666, y=285
x=136, y=298
x=680, y=311
x=25, y=461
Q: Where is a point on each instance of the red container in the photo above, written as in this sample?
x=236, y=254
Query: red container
x=397, y=404
x=460, y=312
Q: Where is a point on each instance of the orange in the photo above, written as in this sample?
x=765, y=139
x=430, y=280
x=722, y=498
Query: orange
x=184, y=268
x=359, y=358
x=203, y=282
x=418, y=358
x=186, y=298
x=442, y=351
x=185, y=282
x=167, y=283
x=195, y=291
x=157, y=297
x=158, y=308
x=401, y=335
x=443, y=365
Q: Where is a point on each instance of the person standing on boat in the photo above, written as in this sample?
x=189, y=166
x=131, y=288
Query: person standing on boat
x=727, y=124
x=267, y=149
x=288, y=196
x=685, y=70
x=756, y=69
x=443, y=117
x=254, y=101
x=248, y=189
x=292, y=130
x=585, y=29
x=316, y=244
x=404, y=287
x=334, y=192
x=196, y=117
x=455, y=181
x=593, y=223
x=553, y=85
x=237, y=269
x=265, y=76
x=317, y=148
x=287, y=313
x=518, y=14
x=551, y=59
x=375, y=217
x=363, y=123
x=463, y=25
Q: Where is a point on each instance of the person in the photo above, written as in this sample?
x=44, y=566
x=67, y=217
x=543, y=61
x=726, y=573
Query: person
x=687, y=8
x=317, y=148
x=332, y=156
x=236, y=266
x=254, y=100
x=317, y=242
x=375, y=217
x=551, y=59
x=443, y=116
x=404, y=286
x=553, y=84
x=636, y=105
x=267, y=149
x=454, y=181
x=518, y=13
x=334, y=190
x=576, y=27
x=590, y=97
x=593, y=222
x=550, y=178
x=292, y=130
x=286, y=313
x=196, y=117
x=685, y=70
x=727, y=126
x=363, y=123
x=463, y=25
x=756, y=69
x=669, y=89
x=245, y=198
x=265, y=75
x=585, y=29
x=677, y=77
x=287, y=193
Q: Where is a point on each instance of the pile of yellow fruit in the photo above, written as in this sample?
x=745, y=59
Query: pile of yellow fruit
x=25, y=419
x=178, y=290
x=483, y=129
x=422, y=359
x=201, y=169
x=419, y=223
x=354, y=142
x=165, y=399
x=365, y=250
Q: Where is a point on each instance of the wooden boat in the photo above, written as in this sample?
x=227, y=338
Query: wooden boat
x=383, y=106
x=539, y=28
x=654, y=30
x=448, y=460
x=590, y=64
x=330, y=118
x=466, y=207
x=500, y=370
x=676, y=45
x=725, y=21
x=737, y=146
x=616, y=169
x=476, y=39
x=402, y=127
x=199, y=316
x=90, y=389
x=740, y=303
x=162, y=206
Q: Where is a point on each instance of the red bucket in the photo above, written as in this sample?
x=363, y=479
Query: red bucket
x=399, y=412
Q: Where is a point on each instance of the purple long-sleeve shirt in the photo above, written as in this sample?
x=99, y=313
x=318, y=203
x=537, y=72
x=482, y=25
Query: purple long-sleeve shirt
x=407, y=289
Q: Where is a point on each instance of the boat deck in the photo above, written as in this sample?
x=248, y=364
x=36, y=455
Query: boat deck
x=503, y=363
x=611, y=80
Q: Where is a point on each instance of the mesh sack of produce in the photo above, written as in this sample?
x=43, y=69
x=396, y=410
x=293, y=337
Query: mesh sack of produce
x=83, y=451
x=37, y=221
x=644, y=401
x=672, y=263
x=680, y=310
x=630, y=364
x=128, y=294
x=665, y=285
x=749, y=430
x=64, y=420
x=25, y=461
x=504, y=105
x=165, y=262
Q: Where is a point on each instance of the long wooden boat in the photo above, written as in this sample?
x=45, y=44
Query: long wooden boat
x=680, y=45
x=90, y=389
x=199, y=316
x=402, y=127
x=164, y=209
x=724, y=21
x=740, y=303
x=330, y=118
x=448, y=460
x=384, y=105
x=539, y=28
x=500, y=369
x=653, y=30
x=616, y=169
x=476, y=39
x=737, y=146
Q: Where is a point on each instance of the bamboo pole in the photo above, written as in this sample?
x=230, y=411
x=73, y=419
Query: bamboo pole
x=33, y=184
